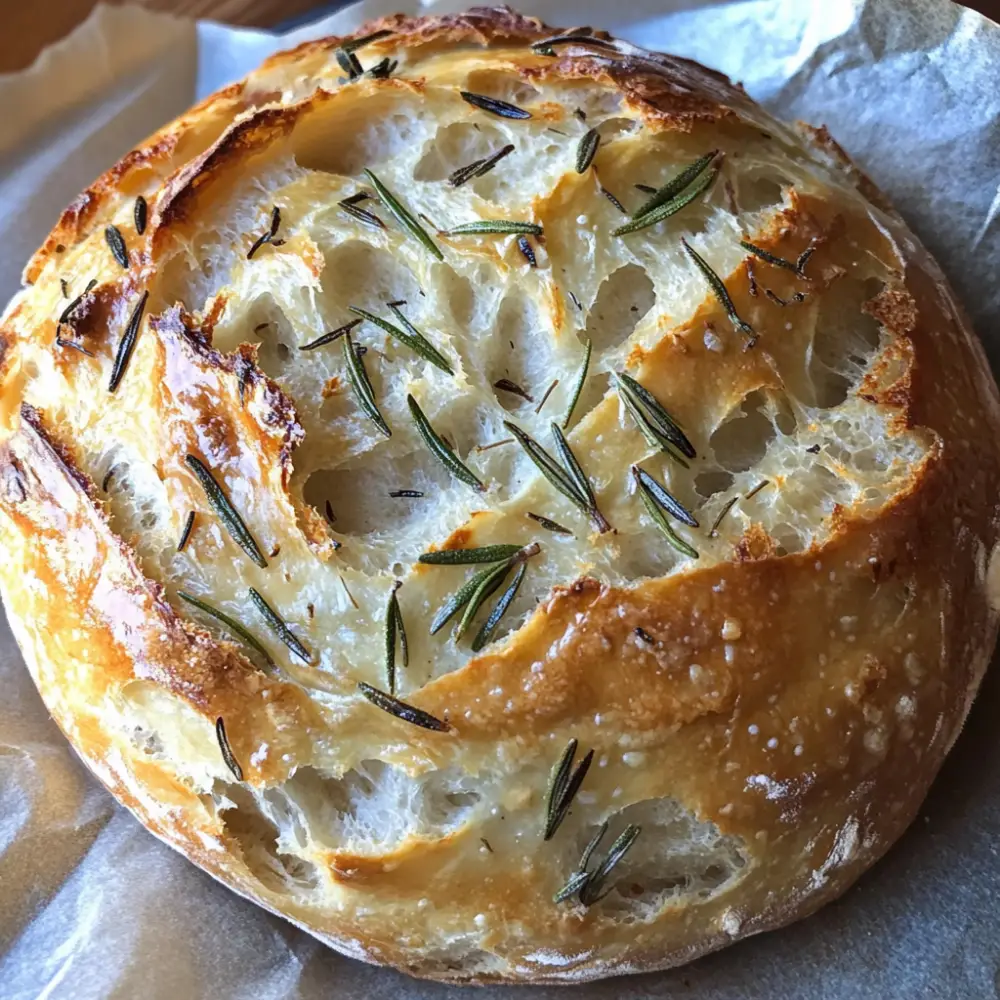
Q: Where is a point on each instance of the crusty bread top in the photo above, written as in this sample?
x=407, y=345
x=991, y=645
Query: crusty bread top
x=768, y=711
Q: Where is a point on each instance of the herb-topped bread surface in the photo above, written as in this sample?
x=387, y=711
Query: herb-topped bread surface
x=497, y=498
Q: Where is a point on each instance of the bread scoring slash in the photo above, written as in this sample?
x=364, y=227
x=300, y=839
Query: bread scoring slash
x=495, y=497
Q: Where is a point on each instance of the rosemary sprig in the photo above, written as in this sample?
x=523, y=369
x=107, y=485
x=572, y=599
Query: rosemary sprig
x=581, y=378
x=357, y=375
x=403, y=216
x=329, y=338
x=666, y=499
x=494, y=106
x=268, y=235
x=564, y=785
x=670, y=208
x=651, y=503
x=571, y=483
x=225, y=511
x=658, y=428
x=402, y=710
x=411, y=337
x=500, y=227
x=469, y=557
x=591, y=891
x=480, y=167
x=548, y=524
x=490, y=582
x=117, y=244
x=581, y=875
x=675, y=185
x=485, y=634
x=139, y=214
x=440, y=450
x=127, y=344
x=227, y=751
x=719, y=288
x=394, y=629
x=361, y=215
x=232, y=624
x=769, y=257
x=186, y=533
x=279, y=626
x=513, y=388
x=587, y=150
x=356, y=43
x=527, y=251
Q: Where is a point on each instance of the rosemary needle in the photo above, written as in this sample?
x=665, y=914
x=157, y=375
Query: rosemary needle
x=468, y=557
x=231, y=623
x=361, y=384
x=587, y=150
x=403, y=216
x=402, y=710
x=440, y=450
x=227, y=751
x=411, y=337
x=719, y=288
x=485, y=634
x=279, y=625
x=653, y=507
x=495, y=227
x=581, y=378
x=675, y=185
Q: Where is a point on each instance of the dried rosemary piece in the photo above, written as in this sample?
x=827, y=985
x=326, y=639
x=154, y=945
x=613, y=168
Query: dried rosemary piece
x=757, y=489
x=361, y=215
x=581, y=875
x=65, y=315
x=675, y=185
x=139, y=215
x=383, y=69
x=659, y=428
x=186, y=533
x=440, y=450
x=502, y=227
x=403, y=216
x=117, y=244
x=268, y=235
x=570, y=482
x=60, y=342
x=469, y=557
x=527, y=250
x=227, y=751
x=614, y=201
x=400, y=709
x=279, y=626
x=548, y=524
x=718, y=287
x=349, y=63
x=587, y=150
x=513, y=388
x=769, y=257
x=651, y=502
x=591, y=891
x=581, y=378
x=489, y=627
x=127, y=344
x=232, y=624
x=644, y=635
x=394, y=629
x=225, y=511
x=106, y=481
x=670, y=208
x=564, y=785
x=666, y=499
x=725, y=510
x=354, y=44
x=64, y=287
x=494, y=106
x=329, y=338
x=411, y=337
x=362, y=386
x=480, y=167
x=405, y=494
x=545, y=395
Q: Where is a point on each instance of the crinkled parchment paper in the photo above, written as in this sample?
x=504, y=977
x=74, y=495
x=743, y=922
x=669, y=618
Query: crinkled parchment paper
x=92, y=906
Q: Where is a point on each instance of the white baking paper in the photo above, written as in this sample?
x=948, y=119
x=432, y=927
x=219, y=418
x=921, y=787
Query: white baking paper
x=93, y=908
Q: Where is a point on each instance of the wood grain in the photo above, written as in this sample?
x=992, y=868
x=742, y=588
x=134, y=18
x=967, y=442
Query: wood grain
x=26, y=28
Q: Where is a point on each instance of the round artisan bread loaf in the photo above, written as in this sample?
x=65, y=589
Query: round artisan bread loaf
x=709, y=419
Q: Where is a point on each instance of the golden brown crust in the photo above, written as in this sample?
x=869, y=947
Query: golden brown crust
x=789, y=707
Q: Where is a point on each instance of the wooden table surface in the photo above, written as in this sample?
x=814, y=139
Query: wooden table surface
x=27, y=27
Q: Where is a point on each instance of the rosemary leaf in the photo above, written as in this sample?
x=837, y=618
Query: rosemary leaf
x=654, y=412
x=60, y=342
x=656, y=514
x=460, y=598
x=117, y=244
x=225, y=511
x=513, y=388
x=64, y=287
x=545, y=396
x=565, y=784
x=186, y=533
x=356, y=43
x=592, y=891
x=719, y=288
x=665, y=499
x=489, y=584
x=361, y=215
x=479, y=167
x=500, y=227
x=579, y=877
x=675, y=185
x=358, y=377
x=127, y=344
x=587, y=150
x=393, y=620
x=404, y=645
x=573, y=467
x=400, y=709
x=463, y=174
x=65, y=315
x=234, y=626
x=329, y=338
x=139, y=215
x=227, y=751
x=485, y=634
x=411, y=337
x=280, y=627
x=440, y=450
x=581, y=378
x=349, y=63
x=383, y=69
x=527, y=250
x=767, y=256
x=268, y=235
x=670, y=208
x=803, y=259
x=405, y=494
x=548, y=524
x=469, y=557
x=494, y=106
x=614, y=201
x=725, y=510
x=403, y=216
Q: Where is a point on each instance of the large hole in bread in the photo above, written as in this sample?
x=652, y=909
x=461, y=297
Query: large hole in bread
x=741, y=441
x=359, y=274
x=459, y=145
x=521, y=352
x=623, y=300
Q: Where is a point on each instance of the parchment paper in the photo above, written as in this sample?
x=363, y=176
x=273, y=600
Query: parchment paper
x=92, y=906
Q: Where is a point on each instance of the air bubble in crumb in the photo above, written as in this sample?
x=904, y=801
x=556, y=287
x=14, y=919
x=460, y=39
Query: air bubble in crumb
x=731, y=629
